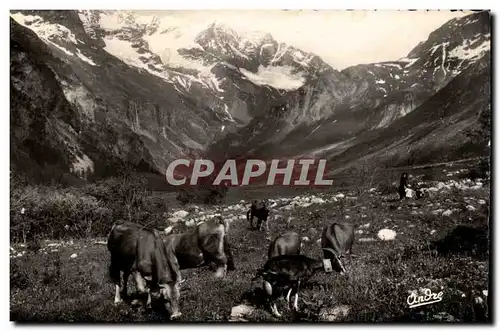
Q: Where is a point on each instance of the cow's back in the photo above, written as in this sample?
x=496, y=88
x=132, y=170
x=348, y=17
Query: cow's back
x=186, y=249
x=286, y=244
x=122, y=240
x=338, y=236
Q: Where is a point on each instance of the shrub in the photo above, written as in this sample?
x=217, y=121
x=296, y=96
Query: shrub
x=55, y=213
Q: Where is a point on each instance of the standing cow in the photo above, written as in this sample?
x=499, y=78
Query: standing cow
x=258, y=210
x=141, y=252
x=206, y=243
x=336, y=241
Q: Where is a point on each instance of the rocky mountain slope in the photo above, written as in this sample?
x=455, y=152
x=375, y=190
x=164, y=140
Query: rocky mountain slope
x=139, y=91
x=330, y=113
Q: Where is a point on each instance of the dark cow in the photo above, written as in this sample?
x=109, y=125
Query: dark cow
x=258, y=210
x=206, y=243
x=403, y=183
x=285, y=244
x=141, y=252
x=290, y=271
x=337, y=240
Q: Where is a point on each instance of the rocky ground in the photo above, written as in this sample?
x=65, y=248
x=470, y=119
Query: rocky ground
x=438, y=243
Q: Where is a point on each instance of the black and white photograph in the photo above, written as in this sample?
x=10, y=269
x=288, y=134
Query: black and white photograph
x=250, y=166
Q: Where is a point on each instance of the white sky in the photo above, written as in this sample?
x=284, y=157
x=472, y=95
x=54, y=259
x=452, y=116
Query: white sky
x=341, y=38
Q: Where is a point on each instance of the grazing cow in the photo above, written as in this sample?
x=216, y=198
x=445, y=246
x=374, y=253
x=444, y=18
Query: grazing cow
x=403, y=184
x=289, y=271
x=258, y=210
x=206, y=243
x=336, y=240
x=285, y=244
x=141, y=252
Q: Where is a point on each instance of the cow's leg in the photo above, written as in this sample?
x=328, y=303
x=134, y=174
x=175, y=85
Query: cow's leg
x=257, y=223
x=118, y=298
x=172, y=292
x=142, y=289
x=270, y=299
x=229, y=254
x=288, y=295
x=114, y=274
x=296, y=302
x=213, y=250
x=125, y=276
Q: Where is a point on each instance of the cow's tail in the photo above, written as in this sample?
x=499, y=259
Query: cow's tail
x=110, y=242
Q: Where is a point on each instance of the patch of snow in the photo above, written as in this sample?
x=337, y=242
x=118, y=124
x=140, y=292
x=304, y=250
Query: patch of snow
x=85, y=58
x=463, y=51
x=393, y=65
x=123, y=50
x=380, y=81
x=443, y=58
x=409, y=61
x=73, y=256
x=278, y=77
x=43, y=29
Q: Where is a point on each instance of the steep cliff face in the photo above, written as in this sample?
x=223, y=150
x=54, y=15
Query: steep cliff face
x=123, y=114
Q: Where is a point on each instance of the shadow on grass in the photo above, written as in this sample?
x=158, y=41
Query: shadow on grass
x=464, y=240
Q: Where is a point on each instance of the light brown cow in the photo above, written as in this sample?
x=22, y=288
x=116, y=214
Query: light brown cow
x=338, y=237
x=141, y=252
x=206, y=243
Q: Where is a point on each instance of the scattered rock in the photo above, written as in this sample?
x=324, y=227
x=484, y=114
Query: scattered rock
x=191, y=222
x=433, y=231
x=367, y=225
x=306, y=239
x=333, y=314
x=366, y=239
x=481, y=202
x=386, y=234
x=485, y=293
x=359, y=232
x=180, y=214
x=447, y=212
x=470, y=208
x=238, y=313
x=317, y=200
x=444, y=317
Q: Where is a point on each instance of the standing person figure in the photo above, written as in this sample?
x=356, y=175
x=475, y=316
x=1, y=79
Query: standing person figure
x=403, y=183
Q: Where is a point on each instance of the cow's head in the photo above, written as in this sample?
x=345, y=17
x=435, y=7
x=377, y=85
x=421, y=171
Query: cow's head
x=335, y=259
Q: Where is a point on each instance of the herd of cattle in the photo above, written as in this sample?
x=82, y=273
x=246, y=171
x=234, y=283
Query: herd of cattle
x=154, y=259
